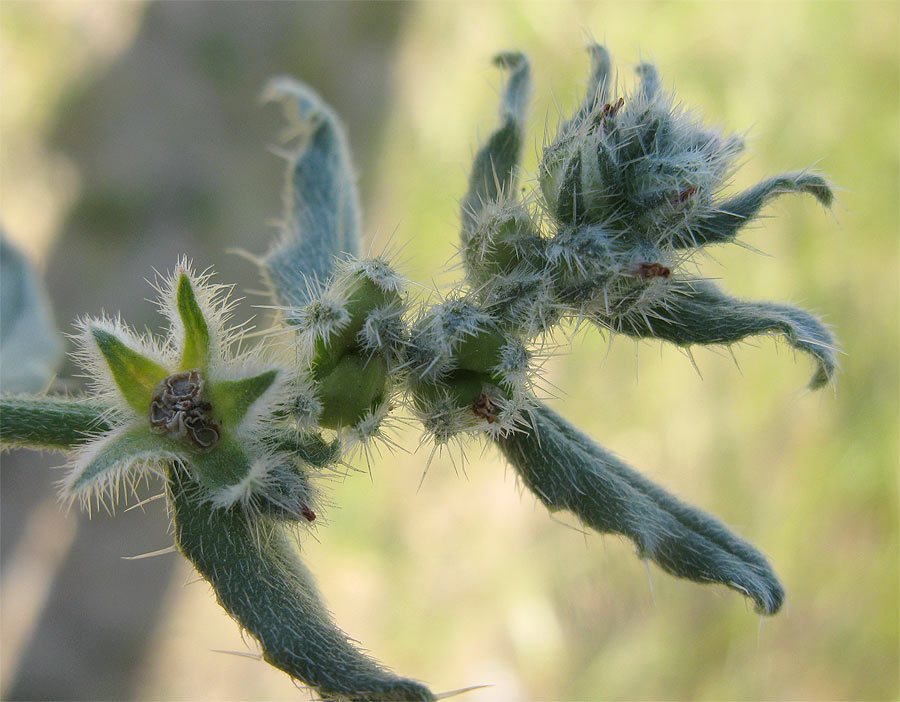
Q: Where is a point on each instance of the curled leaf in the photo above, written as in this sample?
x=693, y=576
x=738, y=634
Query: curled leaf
x=698, y=312
x=321, y=218
x=567, y=470
x=494, y=169
x=723, y=222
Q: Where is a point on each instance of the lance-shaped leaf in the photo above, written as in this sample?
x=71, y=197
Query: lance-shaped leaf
x=698, y=312
x=726, y=219
x=321, y=219
x=100, y=466
x=494, y=169
x=566, y=470
x=261, y=582
x=196, y=331
x=135, y=374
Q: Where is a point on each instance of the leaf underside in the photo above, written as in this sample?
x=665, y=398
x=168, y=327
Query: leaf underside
x=321, y=219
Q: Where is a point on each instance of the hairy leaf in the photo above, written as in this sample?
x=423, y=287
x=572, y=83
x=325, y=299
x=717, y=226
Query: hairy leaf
x=321, y=219
x=726, y=219
x=566, y=470
x=698, y=312
x=494, y=169
x=50, y=422
x=261, y=582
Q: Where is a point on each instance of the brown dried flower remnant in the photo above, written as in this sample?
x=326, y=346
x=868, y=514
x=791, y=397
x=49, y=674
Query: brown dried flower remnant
x=177, y=407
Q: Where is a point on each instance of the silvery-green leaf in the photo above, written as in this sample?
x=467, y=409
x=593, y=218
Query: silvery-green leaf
x=723, y=222
x=321, y=220
x=698, y=312
x=50, y=422
x=261, y=582
x=567, y=470
x=494, y=169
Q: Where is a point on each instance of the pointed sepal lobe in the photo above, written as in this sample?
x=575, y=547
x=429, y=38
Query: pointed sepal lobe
x=195, y=353
x=135, y=374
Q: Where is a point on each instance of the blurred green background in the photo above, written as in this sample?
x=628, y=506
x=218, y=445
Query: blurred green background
x=131, y=133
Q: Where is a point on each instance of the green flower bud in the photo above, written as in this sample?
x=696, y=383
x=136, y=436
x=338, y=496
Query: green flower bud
x=354, y=387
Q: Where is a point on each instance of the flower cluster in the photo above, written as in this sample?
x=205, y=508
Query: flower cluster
x=630, y=189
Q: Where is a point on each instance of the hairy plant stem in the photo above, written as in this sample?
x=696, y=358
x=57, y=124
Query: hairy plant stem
x=52, y=423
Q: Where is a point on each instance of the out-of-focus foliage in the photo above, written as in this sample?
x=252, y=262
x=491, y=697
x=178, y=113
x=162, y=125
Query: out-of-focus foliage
x=30, y=347
x=508, y=598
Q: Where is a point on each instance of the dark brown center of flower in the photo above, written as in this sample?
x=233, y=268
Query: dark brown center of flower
x=178, y=408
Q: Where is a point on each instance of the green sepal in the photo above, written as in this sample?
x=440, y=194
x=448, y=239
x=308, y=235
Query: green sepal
x=120, y=450
x=135, y=374
x=479, y=352
x=462, y=387
x=365, y=296
x=196, y=331
x=233, y=398
x=501, y=244
x=355, y=386
x=225, y=465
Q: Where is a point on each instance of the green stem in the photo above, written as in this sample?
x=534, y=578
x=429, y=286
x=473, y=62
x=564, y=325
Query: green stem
x=56, y=423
